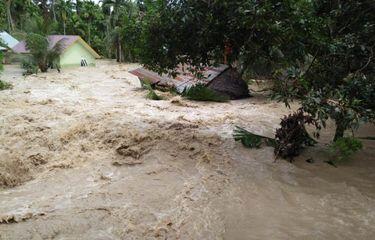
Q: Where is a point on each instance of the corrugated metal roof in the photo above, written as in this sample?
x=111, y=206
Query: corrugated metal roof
x=8, y=40
x=183, y=79
x=66, y=41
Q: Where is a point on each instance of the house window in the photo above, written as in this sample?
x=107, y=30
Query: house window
x=83, y=62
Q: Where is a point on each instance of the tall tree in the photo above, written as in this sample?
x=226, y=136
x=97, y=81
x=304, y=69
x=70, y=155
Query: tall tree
x=320, y=52
x=8, y=4
x=64, y=10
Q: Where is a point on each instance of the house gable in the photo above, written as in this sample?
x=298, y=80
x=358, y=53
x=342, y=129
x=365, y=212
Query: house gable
x=73, y=55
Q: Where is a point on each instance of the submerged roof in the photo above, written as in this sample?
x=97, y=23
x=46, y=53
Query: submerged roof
x=183, y=79
x=8, y=40
x=66, y=41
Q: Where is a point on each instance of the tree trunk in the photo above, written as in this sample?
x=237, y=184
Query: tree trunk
x=117, y=50
x=9, y=17
x=53, y=10
x=64, y=26
x=120, y=51
x=89, y=40
x=43, y=67
x=340, y=129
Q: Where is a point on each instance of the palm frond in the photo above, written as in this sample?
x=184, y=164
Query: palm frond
x=251, y=140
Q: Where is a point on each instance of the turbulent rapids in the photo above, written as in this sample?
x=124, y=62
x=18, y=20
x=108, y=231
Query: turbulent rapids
x=84, y=155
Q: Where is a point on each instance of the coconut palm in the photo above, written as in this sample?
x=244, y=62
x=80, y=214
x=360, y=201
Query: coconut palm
x=64, y=10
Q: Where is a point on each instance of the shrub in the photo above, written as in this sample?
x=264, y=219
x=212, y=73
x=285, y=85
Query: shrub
x=292, y=136
x=343, y=148
x=5, y=85
x=200, y=92
x=29, y=66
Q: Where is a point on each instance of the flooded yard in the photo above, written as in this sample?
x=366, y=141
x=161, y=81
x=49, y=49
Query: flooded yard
x=84, y=155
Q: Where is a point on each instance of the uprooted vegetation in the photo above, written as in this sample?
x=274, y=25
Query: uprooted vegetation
x=289, y=139
x=251, y=140
x=292, y=137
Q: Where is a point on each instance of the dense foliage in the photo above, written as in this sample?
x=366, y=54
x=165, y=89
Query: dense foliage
x=110, y=27
x=3, y=85
x=42, y=54
x=320, y=52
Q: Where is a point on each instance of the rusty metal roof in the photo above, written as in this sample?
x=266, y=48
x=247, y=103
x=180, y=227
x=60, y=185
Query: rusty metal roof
x=183, y=79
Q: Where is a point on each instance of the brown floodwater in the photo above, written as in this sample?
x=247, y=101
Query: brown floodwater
x=84, y=155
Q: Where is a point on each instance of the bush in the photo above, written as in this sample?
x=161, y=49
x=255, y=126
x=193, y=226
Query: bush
x=342, y=149
x=200, y=92
x=292, y=136
x=29, y=67
x=5, y=85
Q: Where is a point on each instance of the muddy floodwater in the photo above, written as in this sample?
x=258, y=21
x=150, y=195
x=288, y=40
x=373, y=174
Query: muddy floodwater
x=84, y=155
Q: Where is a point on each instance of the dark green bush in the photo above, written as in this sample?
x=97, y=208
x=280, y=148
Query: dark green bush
x=200, y=92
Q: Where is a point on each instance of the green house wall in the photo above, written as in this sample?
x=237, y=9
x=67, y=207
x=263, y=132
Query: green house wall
x=73, y=55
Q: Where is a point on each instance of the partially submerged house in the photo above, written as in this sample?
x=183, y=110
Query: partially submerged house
x=75, y=51
x=222, y=79
x=7, y=43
